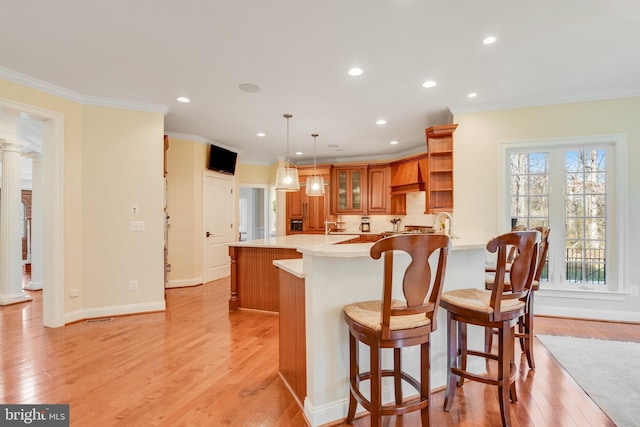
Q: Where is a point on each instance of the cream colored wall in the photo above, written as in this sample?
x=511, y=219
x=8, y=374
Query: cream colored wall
x=478, y=138
x=254, y=174
x=476, y=163
x=185, y=165
x=121, y=166
x=100, y=254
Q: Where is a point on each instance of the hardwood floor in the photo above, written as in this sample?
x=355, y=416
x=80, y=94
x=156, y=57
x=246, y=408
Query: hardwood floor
x=199, y=365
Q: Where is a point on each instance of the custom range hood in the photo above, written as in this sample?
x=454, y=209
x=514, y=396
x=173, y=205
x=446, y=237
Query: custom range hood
x=409, y=175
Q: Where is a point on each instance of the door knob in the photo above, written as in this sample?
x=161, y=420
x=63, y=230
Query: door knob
x=208, y=234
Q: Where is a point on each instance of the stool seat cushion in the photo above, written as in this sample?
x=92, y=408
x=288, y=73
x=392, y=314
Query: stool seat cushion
x=367, y=314
x=478, y=300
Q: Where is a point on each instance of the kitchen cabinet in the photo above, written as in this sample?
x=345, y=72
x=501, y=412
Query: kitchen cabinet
x=407, y=175
x=364, y=238
x=349, y=186
x=310, y=211
x=440, y=171
x=378, y=189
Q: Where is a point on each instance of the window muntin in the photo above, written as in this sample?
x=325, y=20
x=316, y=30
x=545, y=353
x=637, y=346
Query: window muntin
x=577, y=214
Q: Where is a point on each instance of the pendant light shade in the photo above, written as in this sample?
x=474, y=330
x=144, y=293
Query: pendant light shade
x=287, y=173
x=315, y=183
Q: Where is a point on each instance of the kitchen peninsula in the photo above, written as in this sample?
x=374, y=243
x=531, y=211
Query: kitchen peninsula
x=315, y=363
x=254, y=278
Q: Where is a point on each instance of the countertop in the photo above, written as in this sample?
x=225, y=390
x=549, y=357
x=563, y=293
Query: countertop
x=464, y=240
x=294, y=241
x=321, y=245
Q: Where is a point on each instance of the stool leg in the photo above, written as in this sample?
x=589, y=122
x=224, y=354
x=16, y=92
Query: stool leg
x=462, y=345
x=354, y=380
x=452, y=361
x=425, y=382
x=528, y=330
x=488, y=339
x=505, y=357
x=376, y=385
x=397, y=375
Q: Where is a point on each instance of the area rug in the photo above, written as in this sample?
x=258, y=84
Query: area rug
x=608, y=371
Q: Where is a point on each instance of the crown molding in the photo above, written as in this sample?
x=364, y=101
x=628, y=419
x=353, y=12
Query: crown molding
x=70, y=95
x=544, y=101
x=201, y=140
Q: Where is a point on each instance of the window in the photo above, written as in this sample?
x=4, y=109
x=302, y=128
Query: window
x=572, y=187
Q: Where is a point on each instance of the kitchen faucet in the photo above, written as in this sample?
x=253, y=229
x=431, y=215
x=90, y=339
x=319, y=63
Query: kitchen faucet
x=326, y=227
x=436, y=222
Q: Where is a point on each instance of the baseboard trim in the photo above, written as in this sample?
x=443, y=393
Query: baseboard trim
x=120, y=310
x=587, y=313
x=183, y=283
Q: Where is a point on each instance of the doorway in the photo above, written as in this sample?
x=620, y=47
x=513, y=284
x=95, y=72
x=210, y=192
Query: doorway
x=253, y=210
x=52, y=204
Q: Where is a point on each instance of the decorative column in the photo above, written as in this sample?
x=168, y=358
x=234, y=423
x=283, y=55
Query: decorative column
x=36, y=224
x=10, y=224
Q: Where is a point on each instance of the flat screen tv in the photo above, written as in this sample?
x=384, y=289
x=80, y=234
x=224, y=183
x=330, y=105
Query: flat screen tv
x=222, y=160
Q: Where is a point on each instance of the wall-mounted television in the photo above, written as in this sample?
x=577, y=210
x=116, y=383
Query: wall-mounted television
x=222, y=160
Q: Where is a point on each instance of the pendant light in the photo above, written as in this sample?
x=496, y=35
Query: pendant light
x=315, y=183
x=287, y=173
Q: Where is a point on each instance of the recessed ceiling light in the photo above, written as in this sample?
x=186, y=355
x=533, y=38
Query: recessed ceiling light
x=394, y=142
x=489, y=40
x=261, y=134
x=472, y=95
x=381, y=122
x=249, y=87
x=355, y=71
x=429, y=83
x=183, y=99
x=298, y=153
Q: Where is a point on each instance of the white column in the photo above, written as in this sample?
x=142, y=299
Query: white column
x=36, y=224
x=10, y=224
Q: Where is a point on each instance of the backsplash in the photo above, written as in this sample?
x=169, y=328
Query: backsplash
x=380, y=223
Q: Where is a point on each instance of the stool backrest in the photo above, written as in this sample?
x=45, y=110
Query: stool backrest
x=542, y=251
x=523, y=266
x=422, y=294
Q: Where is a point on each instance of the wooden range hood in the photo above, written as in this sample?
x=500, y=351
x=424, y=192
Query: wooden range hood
x=409, y=175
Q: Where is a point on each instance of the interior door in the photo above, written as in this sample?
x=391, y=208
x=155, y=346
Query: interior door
x=218, y=227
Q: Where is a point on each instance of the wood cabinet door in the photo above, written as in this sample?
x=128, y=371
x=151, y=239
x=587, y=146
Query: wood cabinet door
x=316, y=207
x=349, y=190
x=379, y=191
x=294, y=205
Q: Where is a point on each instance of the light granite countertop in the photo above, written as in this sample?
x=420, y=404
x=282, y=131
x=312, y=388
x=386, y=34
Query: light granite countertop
x=321, y=245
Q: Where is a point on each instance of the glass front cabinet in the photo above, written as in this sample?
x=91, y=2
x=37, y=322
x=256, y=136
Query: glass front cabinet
x=348, y=190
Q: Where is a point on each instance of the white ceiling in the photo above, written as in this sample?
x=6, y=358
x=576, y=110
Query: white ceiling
x=299, y=51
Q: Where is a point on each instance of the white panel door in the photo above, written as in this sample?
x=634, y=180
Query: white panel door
x=218, y=213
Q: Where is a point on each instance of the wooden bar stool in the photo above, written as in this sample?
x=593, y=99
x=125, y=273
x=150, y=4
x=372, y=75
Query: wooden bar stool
x=525, y=323
x=496, y=309
x=393, y=323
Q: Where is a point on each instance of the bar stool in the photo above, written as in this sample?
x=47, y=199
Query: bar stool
x=525, y=323
x=497, y=309
x=394, y=323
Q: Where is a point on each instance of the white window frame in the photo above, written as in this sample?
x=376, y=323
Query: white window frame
x=617, y=223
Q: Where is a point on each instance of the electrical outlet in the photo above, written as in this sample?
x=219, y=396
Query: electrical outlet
x=635, y=291
x=137, y=226
x=133, y=285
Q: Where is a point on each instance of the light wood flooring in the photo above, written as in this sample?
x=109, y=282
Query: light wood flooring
x=199, y=365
